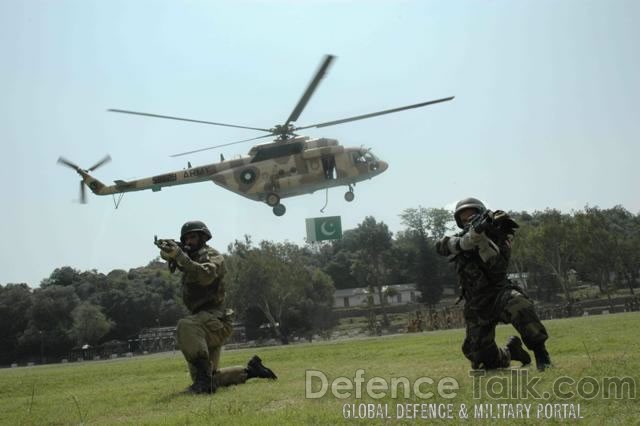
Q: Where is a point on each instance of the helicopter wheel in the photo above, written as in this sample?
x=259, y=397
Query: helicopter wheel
x=273, y=199
x=349, y=196
x=279, y=209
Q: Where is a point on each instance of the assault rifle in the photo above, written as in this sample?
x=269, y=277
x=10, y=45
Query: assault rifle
x=482, y=221
x=496, y=223
x=165, y=244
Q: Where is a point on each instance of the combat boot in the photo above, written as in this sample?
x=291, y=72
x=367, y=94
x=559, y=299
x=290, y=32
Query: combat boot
x=255, y=368
x=518, y=353
x=203, y=383
x=543, y=360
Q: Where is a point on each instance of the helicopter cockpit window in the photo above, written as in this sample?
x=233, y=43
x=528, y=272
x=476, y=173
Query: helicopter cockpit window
x=363, y=157
x=358, y=158
x=369, y=157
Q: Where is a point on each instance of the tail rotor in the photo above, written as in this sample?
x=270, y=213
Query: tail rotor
x=83, y=193
x=100, y=163
x=83, y=173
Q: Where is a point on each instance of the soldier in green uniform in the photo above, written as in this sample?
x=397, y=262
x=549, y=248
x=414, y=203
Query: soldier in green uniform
x=481, y=254
x=202, y=334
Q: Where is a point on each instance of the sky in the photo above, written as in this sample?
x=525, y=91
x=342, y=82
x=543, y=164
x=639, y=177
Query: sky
x=545, y=113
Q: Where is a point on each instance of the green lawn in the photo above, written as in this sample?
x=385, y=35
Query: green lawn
x=144, y=390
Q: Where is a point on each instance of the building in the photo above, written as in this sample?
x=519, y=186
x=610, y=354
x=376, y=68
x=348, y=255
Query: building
x=357, y=297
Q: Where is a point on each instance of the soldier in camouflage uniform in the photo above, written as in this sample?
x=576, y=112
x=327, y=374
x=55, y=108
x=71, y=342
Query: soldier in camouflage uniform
x=481, y=254
x=202, y=334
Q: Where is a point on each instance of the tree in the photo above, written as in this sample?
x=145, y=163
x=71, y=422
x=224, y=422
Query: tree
x=607, y=248
x=64, y=276
x=15, y=301
x=401, y=261
x=525, y=262
x=630, y=257
x=432, y=223
x=371, y=262
x=313, y=312
x=424, y=227
x=554, y=245
x=339, y=269
x=50, y=321
x=87, y=284
x=336, y=259
x=89, y=324
x=138, y=298
x=275, y=281
x=131, y=305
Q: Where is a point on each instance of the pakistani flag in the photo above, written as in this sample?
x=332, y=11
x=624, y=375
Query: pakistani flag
x=324, y=228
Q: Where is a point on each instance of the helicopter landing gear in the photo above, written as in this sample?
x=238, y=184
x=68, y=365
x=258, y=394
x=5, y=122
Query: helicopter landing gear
x=279, y=209
x=273, y=200
x=349, y=196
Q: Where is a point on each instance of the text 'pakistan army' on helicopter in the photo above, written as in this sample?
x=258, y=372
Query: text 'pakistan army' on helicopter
x=290, y=165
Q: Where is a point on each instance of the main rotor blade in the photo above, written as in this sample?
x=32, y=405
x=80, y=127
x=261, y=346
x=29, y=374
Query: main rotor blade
x=186, y=119
x=106, y=159
x=310, y=89
x=220, y=146
x=64, y=161
x=375, y=114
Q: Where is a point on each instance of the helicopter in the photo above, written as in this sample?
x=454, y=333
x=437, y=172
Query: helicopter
x=288, y=166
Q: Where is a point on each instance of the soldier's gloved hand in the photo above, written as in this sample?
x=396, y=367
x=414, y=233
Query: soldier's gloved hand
x=471, y=239
x=442, y=246
x=165, y=256
x=488, y=250
x=170, y=251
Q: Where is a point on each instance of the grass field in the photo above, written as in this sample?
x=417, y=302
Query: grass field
x=145, y=390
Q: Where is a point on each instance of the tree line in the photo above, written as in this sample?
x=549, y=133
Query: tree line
x=285, y=290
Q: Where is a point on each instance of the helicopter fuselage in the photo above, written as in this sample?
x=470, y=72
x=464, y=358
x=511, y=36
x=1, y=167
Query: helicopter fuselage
x=282, y=168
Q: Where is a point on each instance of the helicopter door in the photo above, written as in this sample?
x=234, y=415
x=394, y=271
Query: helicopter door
x=329, y=166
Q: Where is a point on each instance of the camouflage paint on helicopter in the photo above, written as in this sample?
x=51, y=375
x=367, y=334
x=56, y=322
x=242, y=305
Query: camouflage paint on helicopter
x=269, y=173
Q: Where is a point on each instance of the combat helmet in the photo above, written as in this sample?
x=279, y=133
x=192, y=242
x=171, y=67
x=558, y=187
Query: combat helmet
x=194, y=226
x=467, y=203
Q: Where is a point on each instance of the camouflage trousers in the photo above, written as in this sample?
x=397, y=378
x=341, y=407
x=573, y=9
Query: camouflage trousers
x=202, y=335
x=479, y=344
